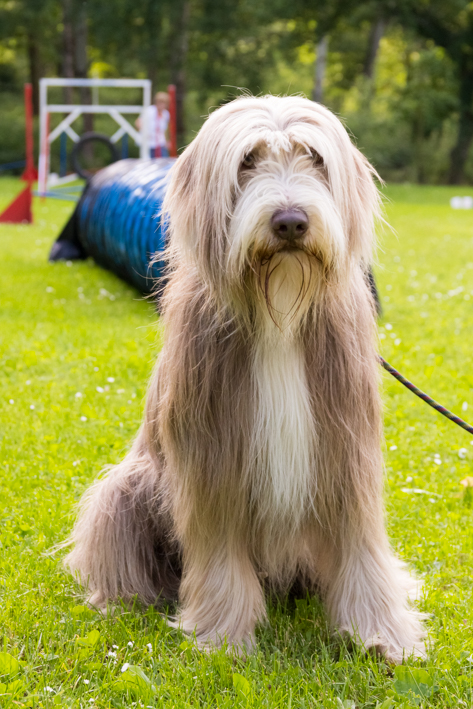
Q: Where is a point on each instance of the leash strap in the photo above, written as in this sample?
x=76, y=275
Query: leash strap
x=428, y=400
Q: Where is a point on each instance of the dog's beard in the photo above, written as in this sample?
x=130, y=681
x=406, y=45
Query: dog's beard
x=287, y=283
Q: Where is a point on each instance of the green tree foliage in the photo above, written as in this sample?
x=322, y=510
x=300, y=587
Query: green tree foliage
x=400, y=72
x=450, y=25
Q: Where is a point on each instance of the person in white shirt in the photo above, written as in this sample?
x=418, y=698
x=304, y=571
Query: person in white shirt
x=157, y=122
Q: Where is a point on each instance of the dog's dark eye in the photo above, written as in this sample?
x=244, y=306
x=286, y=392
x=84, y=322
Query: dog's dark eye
x=248, y=161
x=317, y=159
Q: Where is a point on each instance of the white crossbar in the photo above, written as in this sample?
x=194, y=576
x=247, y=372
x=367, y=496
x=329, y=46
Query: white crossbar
x=117, y=135
x=125, y=125
x=118, y=83
x=64, y=124
x=93, y=108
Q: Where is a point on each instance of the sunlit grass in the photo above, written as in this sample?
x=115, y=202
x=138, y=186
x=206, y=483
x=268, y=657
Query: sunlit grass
x=76, y=351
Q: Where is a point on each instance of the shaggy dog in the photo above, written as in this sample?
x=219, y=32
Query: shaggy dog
x=259, y=459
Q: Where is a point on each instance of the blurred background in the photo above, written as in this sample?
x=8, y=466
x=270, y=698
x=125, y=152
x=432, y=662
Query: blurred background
x=398, y=72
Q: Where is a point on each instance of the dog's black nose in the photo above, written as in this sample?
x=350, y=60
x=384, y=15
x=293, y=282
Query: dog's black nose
x=289, y=224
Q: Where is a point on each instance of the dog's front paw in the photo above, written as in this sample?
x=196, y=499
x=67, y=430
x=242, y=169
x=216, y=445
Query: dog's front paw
x=397, y=654
x=398, y=639
x=211, y=640
x=241, y=648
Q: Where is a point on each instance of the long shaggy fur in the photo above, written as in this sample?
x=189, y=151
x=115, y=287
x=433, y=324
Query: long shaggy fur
x=258, y=462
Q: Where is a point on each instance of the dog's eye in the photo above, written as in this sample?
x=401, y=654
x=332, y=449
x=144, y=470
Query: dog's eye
x=248, y=161
x=317, y=159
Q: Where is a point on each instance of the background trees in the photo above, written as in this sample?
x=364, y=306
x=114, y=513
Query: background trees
x=400, y=72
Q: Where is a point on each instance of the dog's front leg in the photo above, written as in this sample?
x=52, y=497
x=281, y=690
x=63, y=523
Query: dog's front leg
x=368, y=596
x=221, y=596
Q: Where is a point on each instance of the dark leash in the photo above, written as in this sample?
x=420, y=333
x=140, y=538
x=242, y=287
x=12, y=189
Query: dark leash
x=428, y=400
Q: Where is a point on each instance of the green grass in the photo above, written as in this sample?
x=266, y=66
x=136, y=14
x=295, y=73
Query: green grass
x=67, y=330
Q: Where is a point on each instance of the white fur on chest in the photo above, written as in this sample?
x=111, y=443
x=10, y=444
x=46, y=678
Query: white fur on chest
x=283, y=437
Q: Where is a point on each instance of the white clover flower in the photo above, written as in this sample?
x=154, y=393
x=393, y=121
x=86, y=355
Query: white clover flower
x=78, y=395
x=393, y=448
x=111, y=653
x=115, y=647
x=12, y=401
x=150, y=647
x=110, y=379
x=48, y=689
x=125, y=666
x=86, y=681
x=130, y=643
x=83, y=418
x=31, y=406
x=100, y=390
x=409, y=479
x=388, y=326
x=462, y=453
x=96, y=369
x=464, y=406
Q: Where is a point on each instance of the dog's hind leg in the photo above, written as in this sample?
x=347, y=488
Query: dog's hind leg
x=122, y=546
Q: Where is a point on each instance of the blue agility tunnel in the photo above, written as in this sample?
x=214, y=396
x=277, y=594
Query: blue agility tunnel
x=117, y=221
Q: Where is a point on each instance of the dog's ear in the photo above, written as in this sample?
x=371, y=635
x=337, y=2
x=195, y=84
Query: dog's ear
x=363, y=206
x=197, y=204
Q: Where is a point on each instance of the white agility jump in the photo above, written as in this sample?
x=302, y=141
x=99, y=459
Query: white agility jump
x=73, y=112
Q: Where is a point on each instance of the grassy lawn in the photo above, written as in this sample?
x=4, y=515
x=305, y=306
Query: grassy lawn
x=76, y=350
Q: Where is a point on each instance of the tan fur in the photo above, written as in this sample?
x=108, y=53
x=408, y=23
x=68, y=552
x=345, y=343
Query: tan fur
x=259, y=456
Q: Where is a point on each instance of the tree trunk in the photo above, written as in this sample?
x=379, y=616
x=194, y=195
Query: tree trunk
x=34, y=69
x=81, y=63
x=419, y=140
x=68, y=48
x=153, y=40
x=320, y=67
x=377, y=31
x=152, y=73
x=178, y=73
x=459, y=154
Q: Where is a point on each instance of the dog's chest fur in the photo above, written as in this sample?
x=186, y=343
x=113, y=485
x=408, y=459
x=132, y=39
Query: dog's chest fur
x=283, y=434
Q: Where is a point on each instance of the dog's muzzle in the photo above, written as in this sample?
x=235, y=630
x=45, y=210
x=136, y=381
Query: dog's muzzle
x=289, y=224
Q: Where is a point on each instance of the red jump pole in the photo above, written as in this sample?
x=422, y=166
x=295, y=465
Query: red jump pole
x=19, y=211
x=172, y=121
x=30, y=174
